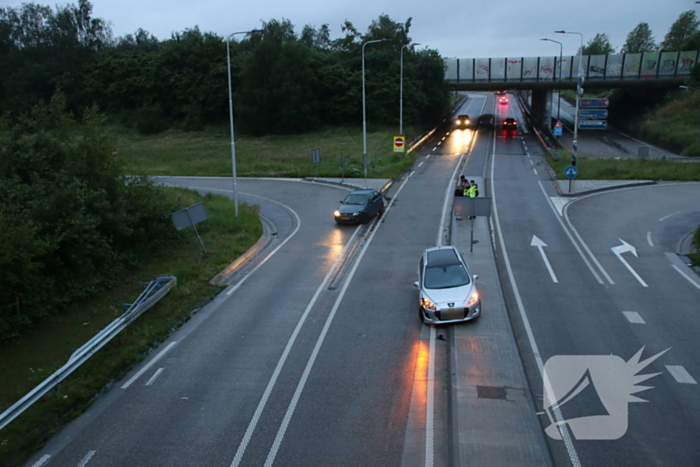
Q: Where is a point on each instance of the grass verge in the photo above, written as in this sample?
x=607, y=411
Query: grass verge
x=26, y=362
x=208, y=153
x=626, y=169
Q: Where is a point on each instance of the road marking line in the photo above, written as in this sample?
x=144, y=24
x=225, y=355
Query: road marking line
x=312, y=359
x=422, y=162
x=539, y=244
x=86, y=459
x=680, y=374
x=288, y=348
x=563, y=428
x=573, y=242
x=670, y=215
x=259, y=265
x=430, y=406
x=634, y=317
x=42, y=461
x=649, y=239
x=626, y=247
x=688, y=278
x=148, y=365
x=155, y=375
x=535, y=170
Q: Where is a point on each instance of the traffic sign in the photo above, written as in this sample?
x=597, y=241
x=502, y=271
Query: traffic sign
x=571, y=172
x=315, y=156
x=593, y=113
x=593, y=103
x=592, y=124
x=399, y=144
x=558, y=128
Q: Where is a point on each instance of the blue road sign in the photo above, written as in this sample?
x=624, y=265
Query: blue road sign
x=593, y=103
x=593, y=113
x=571, y=171
x=557, y=131
x=592, y=124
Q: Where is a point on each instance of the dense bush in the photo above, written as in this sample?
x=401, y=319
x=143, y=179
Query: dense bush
x=70, y=221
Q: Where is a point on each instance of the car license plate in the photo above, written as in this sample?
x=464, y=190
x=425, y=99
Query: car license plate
x=344, y=218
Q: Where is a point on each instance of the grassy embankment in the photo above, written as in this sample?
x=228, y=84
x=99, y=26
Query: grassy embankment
x=27, y=361
x=677, y=121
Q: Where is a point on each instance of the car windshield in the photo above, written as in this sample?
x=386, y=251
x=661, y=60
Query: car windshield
x=355, y=199
x=444, y=277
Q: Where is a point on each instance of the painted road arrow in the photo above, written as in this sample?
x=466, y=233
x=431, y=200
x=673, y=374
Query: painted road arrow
x=624, y=248
x=536, y=242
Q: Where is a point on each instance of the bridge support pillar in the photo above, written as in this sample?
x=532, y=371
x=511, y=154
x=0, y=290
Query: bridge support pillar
x=541, y=108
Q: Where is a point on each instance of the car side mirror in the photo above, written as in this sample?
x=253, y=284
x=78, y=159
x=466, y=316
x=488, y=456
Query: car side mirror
x=415, y=284
x=476, y=276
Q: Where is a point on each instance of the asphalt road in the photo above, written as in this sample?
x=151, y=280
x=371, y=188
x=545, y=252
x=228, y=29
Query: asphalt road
x=582, y=278
x=316, y=356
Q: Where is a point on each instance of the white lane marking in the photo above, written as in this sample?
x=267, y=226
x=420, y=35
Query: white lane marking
x=688, y=278
x=312, y=359
x=680, y=374
x=148, y=365
x=283, y=358
x=559, y=202
x=670, y=215
x=430, y=405
x=411, y=174
x=539, y=244
x=428, y=156
x=42, y=461
x=568, y=234
x=86, y=459
x=563, y=428
x=531, y=161
x=634, y=317
x=422, y=162
x=155, y=375
x=535, y=170
x=651, y=243
x=259, y=265
x=624, y=248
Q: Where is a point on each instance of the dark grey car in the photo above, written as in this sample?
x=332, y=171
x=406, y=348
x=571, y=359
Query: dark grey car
x=359, y=207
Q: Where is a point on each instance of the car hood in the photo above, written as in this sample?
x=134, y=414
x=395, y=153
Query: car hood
x=456, y=295
x=350, y=208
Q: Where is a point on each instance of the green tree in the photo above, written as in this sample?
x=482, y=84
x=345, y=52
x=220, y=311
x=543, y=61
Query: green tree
x=599, y=45
x=639, y=40
x=685, y=26
x=71, y=218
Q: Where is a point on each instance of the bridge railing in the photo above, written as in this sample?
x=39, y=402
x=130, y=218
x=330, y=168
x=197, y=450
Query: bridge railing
x=637, y=66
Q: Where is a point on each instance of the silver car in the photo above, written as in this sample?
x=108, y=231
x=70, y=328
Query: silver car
x=447, y=293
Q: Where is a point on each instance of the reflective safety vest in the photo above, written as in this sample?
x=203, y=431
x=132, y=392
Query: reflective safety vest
x=470, y=191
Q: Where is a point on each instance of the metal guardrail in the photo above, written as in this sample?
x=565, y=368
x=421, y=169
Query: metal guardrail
x=153, y=292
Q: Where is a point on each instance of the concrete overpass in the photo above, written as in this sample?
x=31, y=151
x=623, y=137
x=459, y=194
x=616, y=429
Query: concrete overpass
x=542, y=75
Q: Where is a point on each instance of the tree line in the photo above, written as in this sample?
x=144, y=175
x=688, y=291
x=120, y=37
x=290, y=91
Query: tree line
x=283, y=82
x=682, y=35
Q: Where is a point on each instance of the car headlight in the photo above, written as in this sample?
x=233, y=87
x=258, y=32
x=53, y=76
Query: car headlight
x=427, y=304
x=336, y=214
x=473, y=298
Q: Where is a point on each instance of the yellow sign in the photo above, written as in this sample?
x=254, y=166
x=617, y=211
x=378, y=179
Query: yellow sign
x=399, y=144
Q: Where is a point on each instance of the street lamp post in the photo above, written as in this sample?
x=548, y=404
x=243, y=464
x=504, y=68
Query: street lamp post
x=561, y=48
x=230, y=112
x=364, y=111
x=401, y=89
x=579, y=90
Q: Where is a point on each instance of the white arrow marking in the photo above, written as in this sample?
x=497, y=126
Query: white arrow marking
x=625, y=247
x=536, y=242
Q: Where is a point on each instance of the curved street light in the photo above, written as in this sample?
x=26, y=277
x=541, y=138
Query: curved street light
x=413, y=44
x=561, y=48
x=578, y=95
x=364, y=111
x=230, y=112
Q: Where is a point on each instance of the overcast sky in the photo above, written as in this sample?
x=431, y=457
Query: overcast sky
x=455, y=28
